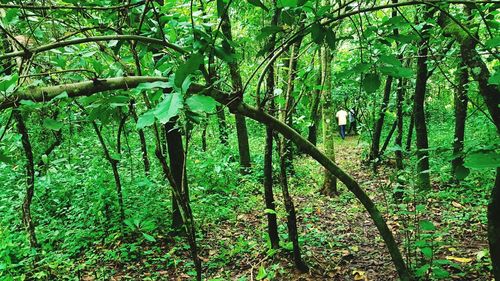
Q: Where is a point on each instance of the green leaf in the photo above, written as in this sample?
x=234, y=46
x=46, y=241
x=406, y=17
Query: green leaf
x=461, y=172
x=330, y=39
x=190, y=66
x=262, y=273
x=201, y=103
x=145, y=120
x=270, y=211
x=153, y=85
x=220, y=7
x=287, y=3
x=495, y=78
x=258, y=3
x=168, y=107
x=426, y=225
x=427, y=252
x=52, y=124
x=420, y=272
x=8, y=83
x=148, y=237
x=371, y=83
x=317, y=33
x=493, y=42
x=4, y=158
x=439, y=272
x=482, y=159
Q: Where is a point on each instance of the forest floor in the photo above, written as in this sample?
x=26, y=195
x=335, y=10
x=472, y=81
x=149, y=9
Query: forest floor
x=339, y=240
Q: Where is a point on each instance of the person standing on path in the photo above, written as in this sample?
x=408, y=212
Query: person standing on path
x=342, y=120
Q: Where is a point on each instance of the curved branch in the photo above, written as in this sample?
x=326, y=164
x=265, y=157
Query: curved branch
x=55, y=7
x=79, y=89
x=60, y=44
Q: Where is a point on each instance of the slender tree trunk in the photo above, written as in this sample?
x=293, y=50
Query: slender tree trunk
x=30, y=179
x=423, y=174
x=377, y=132
x=388, y=138
x=142, y=139
x=399, y=137
x=177, y=168
x=272, y=224
x=312, y=135
x=411, y=128
x=460, y=101
x=329, y=124
x=241, y=127
x=114, y=167
x=290, y=209
x=290, y=101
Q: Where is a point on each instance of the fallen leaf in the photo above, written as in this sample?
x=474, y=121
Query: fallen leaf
x=359, y=275
x=457, y=205
x=457, y=259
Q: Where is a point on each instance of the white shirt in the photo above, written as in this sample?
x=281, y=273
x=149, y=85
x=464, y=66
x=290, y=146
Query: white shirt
x=342, y=117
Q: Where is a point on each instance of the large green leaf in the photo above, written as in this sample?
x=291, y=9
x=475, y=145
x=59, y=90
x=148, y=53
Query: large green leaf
x=483, y=159
x=200, y=103
x=8, y=83
x=168, y=107
x=317, y=33
x=52, y=124
x=145, y=120
x=371, y=82
x=190, y=66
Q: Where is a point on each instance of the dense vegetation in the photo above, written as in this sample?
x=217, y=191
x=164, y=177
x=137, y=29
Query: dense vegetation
x=120, y=158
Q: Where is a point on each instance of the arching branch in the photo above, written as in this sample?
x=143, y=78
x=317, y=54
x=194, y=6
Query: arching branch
x=77, y=41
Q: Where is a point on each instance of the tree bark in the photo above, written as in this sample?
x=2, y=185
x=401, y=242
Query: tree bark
x=377, y=132
x=312, y=135
x=272, y=224
x=291, y=214
x=423, y=173
x=329, y=187
x=399, y=137
x=30, y=179
x=178, y=170
x=241, y=128
x=142, y=139
x=460, y=102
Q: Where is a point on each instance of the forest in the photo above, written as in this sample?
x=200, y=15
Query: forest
x=249, y=140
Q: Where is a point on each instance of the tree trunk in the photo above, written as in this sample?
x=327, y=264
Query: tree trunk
x=30, y=179
x=272, y=224
x=374, y=151
x=178, y=170
x=142, y=139
x=460, y=101
x=241, y=127
x=312, y=135
x=290, y=209
x=399, y=137
x=290, y=101
x=423, y=174
x=329, y=187
x=388, y=138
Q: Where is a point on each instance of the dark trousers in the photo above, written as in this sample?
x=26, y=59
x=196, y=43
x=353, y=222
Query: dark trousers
x=342, y=131
x=352, y=127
